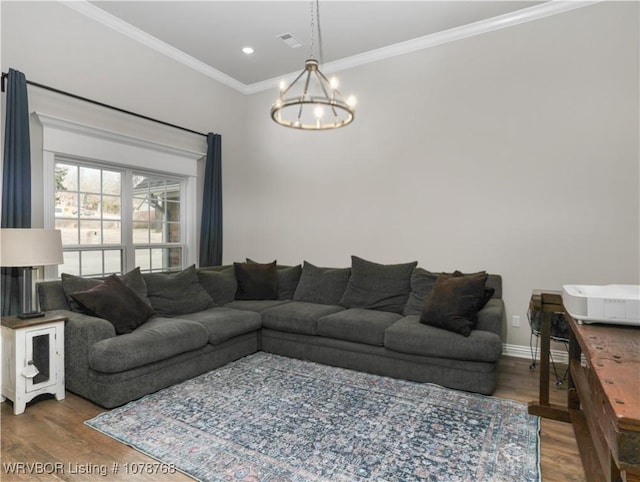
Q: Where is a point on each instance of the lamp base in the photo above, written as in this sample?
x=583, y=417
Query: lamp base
x=32, y=314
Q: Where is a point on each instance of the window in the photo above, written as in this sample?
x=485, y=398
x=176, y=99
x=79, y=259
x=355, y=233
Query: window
x=121, y=201
x=115, y=219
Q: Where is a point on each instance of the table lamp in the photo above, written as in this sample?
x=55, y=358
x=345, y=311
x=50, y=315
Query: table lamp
x=28, y=249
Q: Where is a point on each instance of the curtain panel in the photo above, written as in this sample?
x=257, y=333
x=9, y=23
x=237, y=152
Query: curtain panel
x=211, y=223
x=16, y=179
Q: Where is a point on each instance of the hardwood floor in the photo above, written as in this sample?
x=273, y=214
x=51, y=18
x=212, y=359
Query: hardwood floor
x=52, y=432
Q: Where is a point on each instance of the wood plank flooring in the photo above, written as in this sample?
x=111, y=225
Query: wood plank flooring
x=52, y=432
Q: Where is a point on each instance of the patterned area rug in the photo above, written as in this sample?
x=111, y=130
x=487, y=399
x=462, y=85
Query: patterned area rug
x=271, y=418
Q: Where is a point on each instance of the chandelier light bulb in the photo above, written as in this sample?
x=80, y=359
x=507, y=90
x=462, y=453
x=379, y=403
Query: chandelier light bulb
x=318, y=112
x=283, y=85
x=352, y=101
x=334, y=82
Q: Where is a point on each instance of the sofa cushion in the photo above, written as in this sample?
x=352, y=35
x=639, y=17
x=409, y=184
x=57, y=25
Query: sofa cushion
x=220, y=284
x=225, y=323
x=377, y=286
x=72, y=284
x=173, y=294
x=455, y=301
x=357, y=324
x=256, y=281
x=158, y=339
x=422, y=282
x=117, y=303
x=321, y=285
x=408, y=335
x=297, y=316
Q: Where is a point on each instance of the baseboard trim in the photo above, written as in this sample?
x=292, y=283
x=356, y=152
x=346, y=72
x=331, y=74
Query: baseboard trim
x=524, y=351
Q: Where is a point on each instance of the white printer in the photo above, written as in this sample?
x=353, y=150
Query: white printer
x=615, y=304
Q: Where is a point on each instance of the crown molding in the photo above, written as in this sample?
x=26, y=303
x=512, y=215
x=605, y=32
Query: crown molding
x=547, y=9
x=89, y=10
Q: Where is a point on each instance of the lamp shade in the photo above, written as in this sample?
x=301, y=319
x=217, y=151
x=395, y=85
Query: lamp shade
x=30, y=247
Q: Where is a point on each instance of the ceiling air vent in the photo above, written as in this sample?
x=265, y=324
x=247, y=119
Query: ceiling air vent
x=290, y=40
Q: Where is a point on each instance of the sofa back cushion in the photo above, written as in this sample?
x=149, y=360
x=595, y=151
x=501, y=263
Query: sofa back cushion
x=321, y=285
x=177, y=293
x=220, y=284
x=377, y=286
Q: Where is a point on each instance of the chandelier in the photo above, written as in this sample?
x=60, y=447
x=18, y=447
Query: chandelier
x=311, y=101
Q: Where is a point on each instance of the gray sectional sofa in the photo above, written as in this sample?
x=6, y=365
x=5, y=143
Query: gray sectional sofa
x=368, y=317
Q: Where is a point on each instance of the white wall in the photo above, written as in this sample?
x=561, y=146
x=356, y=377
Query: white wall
x=515, y=151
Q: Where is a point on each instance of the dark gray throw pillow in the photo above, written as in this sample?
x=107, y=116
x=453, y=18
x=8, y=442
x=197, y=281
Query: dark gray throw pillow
x=117, y=303
x=256, y=281
x=422, y=282
x=321, y=285
x=221, y=284
x=288, y=277
x=177, y=293
x=374, y=286
x=72, y=284
x=454, y=302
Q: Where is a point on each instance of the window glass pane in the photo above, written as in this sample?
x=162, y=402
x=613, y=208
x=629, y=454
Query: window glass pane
x=111, y=207
x=174, y=256
x=90, y=232
x=143, y=259
x=111, y=182
x=113, y=261
x=69, y=231
x=66, y=177
x=112, y=232
x=91, y=263
x=71, y=263
x=90, y=179
x=157, y=260
x=89, y=206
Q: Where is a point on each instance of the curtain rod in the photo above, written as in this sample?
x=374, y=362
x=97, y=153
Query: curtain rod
x=101, y=104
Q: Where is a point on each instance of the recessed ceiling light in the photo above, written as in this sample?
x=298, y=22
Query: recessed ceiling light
x=247, y=50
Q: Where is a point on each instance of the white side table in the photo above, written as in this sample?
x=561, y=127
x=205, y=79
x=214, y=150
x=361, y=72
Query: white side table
x=32, y=359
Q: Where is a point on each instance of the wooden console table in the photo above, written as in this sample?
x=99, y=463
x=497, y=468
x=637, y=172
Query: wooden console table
x=547, y=302
x=603, y=401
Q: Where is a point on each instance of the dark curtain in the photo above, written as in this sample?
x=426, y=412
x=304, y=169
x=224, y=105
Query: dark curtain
x=211, y=225
x=16, y=179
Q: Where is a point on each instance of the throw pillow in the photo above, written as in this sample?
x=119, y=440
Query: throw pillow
x=488, y=292
x=422, y=282
x=377, y=286
x=454, y=302
x=321, y=285
x=177, y=293
x=72, y=284
x=221, y=284
x=117, y=303
x=288, y=277
x=256, y=281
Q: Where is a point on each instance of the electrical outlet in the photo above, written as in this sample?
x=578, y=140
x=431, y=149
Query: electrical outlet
x=515, y=321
